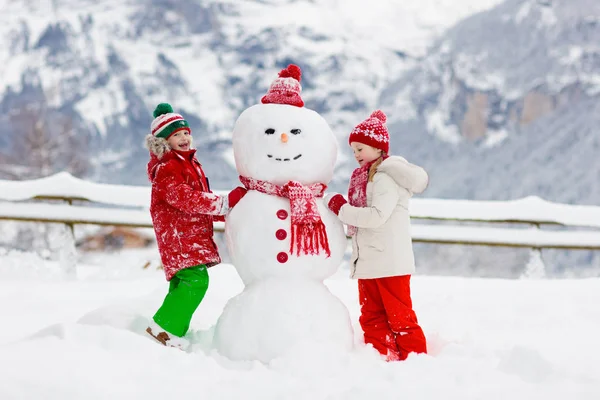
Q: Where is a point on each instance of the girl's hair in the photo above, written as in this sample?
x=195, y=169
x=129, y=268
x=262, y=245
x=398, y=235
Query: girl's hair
x=373, y=168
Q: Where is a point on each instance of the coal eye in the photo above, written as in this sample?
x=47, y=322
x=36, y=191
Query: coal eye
x=295, y=131
x=270, y=131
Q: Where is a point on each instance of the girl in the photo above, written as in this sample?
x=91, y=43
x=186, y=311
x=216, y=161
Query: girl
x=183, y=209
x=379, y=224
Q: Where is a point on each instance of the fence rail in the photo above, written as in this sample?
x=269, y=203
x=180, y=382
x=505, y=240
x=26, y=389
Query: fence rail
x=85, y=202
x=426, y=233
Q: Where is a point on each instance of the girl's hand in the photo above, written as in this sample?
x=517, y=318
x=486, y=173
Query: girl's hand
x=334, y=202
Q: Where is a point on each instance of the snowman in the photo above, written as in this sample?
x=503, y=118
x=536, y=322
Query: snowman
x=282, y=238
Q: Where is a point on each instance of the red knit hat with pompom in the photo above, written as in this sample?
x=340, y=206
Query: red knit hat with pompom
x=372, y=132
x=286, y=89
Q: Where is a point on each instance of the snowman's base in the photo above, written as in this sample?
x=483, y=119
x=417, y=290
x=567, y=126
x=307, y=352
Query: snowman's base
x=275, y=317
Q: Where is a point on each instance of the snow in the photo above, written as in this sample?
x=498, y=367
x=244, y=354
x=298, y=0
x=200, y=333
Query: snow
x=532, y=237
x=535, y=267
x=523, y=12
x=529, y=209
x=64, y=185
x=274, y=318
x=68, y=252
x=488, y=339
x=108, y=101
x=403, y=26
x=74, y=214
x=200, y=93
x=495, y=137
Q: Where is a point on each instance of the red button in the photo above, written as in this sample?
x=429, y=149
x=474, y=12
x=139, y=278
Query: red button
x=281, y=234
x=282, y=214
x=282, y=257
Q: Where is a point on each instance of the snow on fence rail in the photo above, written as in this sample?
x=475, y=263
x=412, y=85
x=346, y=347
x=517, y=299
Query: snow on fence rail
x=119, y=205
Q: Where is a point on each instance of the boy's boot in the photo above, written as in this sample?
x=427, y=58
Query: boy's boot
x=165, y=338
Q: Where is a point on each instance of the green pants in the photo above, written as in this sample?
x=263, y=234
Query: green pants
x=186, y=290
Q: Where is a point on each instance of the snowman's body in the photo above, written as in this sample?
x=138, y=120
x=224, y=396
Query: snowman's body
x=285, y=304
x=258, y=237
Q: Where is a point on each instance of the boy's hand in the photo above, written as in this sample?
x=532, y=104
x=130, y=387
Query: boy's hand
x=235, y=196
x=334, y=202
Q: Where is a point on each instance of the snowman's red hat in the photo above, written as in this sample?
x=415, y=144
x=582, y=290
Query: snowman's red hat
x=286, y=88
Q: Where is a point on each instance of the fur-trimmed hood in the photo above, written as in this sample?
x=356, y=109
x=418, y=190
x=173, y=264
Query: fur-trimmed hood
x=405, y=174
x=159, y=146
x=156, y=145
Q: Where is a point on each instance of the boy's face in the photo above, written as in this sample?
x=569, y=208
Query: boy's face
x=181, y=140
x=364, y=153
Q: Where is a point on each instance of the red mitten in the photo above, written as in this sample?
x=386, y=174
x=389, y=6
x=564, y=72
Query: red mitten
x=336, y=202
x=235, y=196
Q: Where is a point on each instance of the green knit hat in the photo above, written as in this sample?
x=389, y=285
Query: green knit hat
x=166, y=122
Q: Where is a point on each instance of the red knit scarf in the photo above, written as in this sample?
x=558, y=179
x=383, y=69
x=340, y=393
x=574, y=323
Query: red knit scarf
x=308, y=230
x=357, y=190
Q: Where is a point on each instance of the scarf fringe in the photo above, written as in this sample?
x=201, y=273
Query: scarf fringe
x=309, y=239
x=308, y=233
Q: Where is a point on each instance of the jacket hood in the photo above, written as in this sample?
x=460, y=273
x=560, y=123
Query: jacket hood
x=409, y=176
x=152, y=164
x=157, y=146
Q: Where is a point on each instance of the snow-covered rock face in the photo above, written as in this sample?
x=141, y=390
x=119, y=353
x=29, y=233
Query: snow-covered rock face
x=502, y=69
x=281, y=143
x=515, y=89
x=107, y=64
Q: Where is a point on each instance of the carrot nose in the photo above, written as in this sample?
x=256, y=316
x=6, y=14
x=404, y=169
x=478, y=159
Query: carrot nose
x=284, y=137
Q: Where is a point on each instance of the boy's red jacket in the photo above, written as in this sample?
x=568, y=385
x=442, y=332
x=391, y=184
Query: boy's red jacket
x=183, y=208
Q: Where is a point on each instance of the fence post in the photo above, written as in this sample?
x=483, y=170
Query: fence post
x=535, y=268
x=68, y=252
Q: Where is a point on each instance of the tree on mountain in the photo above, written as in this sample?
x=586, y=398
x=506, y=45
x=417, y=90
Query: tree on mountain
x=44, y=142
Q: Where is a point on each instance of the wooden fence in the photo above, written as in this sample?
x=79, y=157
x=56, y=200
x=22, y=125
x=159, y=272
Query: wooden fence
x=62, y=198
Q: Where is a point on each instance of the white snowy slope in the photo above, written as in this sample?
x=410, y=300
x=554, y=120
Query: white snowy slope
x=488, y=339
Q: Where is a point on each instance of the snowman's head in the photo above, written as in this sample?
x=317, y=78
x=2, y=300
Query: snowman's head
x=280, y=143
x=280, y=140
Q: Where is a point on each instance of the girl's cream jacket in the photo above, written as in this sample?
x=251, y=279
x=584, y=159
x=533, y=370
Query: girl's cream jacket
x=382, y=245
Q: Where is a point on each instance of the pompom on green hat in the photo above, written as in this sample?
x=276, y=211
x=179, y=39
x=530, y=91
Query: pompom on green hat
x=166, y=122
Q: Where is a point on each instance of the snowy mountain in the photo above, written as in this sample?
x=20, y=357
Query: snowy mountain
x=104, y=65
x=517, y=90
x=470, y=95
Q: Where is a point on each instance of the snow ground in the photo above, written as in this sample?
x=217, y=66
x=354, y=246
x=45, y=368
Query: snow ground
x=488, y=338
